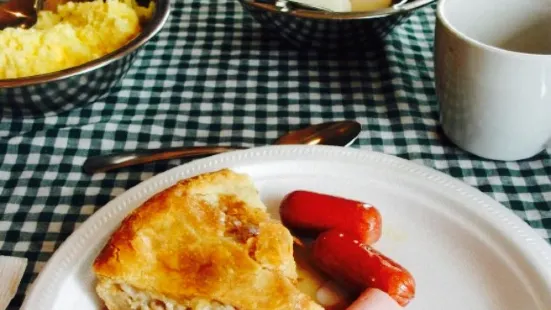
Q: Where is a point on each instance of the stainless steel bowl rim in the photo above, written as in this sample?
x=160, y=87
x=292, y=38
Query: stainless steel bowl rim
x=321, y=15
x=158, y=20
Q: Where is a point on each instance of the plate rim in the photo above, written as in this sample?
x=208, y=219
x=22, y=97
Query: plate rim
x=39, y=293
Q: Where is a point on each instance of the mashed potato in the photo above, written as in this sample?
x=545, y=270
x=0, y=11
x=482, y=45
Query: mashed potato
x=75, y=34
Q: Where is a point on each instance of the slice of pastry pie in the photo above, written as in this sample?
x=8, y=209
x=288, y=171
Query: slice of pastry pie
x=204, y=243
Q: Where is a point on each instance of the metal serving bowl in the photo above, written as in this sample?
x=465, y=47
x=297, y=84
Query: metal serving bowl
x=77, y=86
x=310, y=28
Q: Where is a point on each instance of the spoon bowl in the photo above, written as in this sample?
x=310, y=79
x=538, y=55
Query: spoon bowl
x=339, y=133
x=19, y=13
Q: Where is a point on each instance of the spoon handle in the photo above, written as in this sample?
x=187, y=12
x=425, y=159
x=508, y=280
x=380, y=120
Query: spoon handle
x=104, y=163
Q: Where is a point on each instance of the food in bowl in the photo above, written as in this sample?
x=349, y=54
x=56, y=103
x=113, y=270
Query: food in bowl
x=369, y=5
x=347, y=5
x=71, y=35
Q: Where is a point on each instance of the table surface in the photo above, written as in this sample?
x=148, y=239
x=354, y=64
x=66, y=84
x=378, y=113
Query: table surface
x=213, y=77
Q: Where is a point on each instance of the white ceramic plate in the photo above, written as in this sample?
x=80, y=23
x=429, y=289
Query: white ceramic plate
x=465, y=250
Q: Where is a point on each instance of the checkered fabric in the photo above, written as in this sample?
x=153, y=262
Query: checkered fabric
x=212, y=77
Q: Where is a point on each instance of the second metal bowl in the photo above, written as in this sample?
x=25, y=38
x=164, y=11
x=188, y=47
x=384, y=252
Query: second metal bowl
x=309, y=28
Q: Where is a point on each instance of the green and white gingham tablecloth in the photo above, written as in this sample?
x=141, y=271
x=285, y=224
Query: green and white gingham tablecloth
x=212, y=77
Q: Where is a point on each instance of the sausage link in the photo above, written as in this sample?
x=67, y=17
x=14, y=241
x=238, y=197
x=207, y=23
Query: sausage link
x=310, y=213
x=349, y=261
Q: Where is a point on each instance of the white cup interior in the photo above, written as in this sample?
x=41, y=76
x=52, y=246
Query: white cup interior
x=515, y=25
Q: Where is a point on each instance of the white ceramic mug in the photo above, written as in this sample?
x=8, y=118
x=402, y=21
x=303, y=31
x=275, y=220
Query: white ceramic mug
x=493, y=75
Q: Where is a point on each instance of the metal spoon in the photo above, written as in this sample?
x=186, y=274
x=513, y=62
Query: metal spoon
x=340, y=133
x=19, y=13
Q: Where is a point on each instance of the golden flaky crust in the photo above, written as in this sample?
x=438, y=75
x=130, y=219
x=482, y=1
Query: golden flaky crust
x=208, y=237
